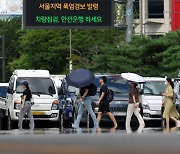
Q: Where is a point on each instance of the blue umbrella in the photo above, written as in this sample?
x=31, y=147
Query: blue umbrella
x=80, y=77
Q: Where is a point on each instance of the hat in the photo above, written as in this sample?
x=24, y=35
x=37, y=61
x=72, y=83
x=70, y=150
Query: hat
x=25, y=83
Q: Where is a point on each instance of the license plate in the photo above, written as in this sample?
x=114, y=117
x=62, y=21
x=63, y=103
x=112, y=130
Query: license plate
x=38, y=113
x=119, y=113
x=158, y=112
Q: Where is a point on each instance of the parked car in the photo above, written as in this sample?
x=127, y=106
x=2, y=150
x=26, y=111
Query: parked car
x=67, y=100
x=44, y=94
x=3, y=89
x=177, y=91
x=3, y=93
x=152, y=98
x=118, y=106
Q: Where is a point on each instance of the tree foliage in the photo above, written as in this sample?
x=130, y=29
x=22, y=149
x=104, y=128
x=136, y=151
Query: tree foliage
x=103, y=51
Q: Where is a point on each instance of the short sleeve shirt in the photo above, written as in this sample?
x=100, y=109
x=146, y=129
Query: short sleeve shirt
x=133, y=92
x=82, y=90
x=103, y=89
x=27, y=93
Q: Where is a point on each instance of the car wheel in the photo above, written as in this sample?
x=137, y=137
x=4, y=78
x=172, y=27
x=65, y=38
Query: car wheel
x=141, y=109
x=91, y=123
x=178, y=110
x=162, y=119
x=9, y=122
x=61, y=120
x=2, y=119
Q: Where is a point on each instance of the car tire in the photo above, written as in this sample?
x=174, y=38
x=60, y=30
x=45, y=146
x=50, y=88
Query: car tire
x=162, y=119
x=91, y=123
x=178, y=110
x=9, y=122
x=1, y=121
x=61, y=119
x=141, y=109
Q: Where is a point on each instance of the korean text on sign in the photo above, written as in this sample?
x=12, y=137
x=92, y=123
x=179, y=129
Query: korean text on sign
x=69, y=6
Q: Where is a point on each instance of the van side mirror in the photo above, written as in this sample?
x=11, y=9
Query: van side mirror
x=141, y=92
x=10, y=91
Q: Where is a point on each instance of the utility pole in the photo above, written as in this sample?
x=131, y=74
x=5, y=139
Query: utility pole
x=70, y=50
x=3, y=58
x=129, y=20
x=141, y=17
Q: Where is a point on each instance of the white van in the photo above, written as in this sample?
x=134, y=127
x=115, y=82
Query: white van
x=58, y=79
x=3, y=92
x=152, y=97
x=44, y=94
x=177, y=91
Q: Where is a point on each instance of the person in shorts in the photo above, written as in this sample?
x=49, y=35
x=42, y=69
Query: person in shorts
x=103, y=102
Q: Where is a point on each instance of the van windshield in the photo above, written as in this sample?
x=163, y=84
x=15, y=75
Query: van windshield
x=37, y=85
x=3, y=91
x=154, y=87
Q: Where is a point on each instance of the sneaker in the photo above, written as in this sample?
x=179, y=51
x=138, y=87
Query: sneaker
x=178, y=125
x=75, y=126
x=96, y=126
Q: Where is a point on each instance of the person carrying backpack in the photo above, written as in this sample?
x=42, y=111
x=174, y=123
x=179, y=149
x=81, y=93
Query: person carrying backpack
x=85, y=102
x=103, y=102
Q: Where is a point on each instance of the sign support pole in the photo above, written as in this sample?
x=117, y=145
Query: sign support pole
x=70, y=50
x=129, y=20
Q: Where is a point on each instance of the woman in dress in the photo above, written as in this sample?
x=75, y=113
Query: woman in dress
x=170, y=111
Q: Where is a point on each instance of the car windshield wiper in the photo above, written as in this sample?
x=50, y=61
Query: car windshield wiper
x=152, y=94
x=121, y=92
x=44, y=93
x=36, y=93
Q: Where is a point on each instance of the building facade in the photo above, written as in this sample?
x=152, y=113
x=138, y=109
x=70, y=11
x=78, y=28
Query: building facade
x=175, y=15
x=152, y=17
x=10, y=8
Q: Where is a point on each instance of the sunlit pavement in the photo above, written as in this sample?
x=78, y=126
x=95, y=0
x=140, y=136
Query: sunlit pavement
x=118, y=131
x=54, y=131
x=91, y=141
x=149, y=140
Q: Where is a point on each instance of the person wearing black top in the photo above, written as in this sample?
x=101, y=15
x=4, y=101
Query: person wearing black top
x=103, y=102
x=26, y=107
x=85, y=102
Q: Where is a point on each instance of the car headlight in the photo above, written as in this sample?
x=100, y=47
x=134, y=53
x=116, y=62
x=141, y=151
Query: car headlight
x=17, y=106
x=17, y=101
x=146, y=106
x=55, y=105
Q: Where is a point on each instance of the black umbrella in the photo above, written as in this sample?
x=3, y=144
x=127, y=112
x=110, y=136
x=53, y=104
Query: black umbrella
x=80, y=77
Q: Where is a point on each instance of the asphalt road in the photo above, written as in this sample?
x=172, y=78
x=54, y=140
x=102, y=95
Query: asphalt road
x=90, y=143
x=149, y=140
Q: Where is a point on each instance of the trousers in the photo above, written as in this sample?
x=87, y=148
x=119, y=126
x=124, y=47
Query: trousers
x=26, y=110
x=86, y=104
x=131, y=109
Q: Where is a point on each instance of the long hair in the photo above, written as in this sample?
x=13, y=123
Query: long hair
x=170, y=82
x=28, y=89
